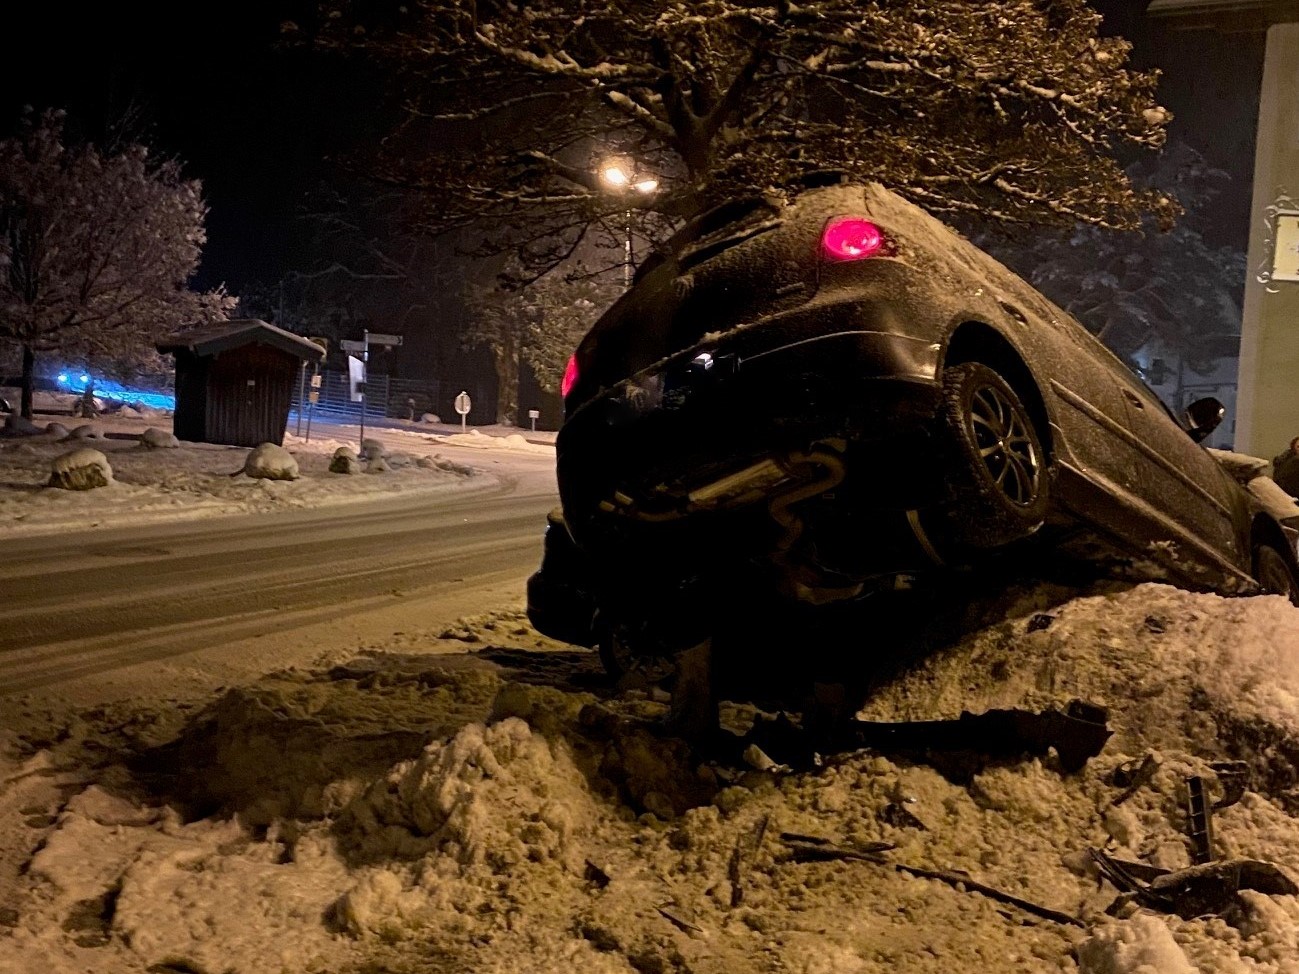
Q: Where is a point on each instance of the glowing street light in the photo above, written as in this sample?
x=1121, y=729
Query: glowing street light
x=621, y=180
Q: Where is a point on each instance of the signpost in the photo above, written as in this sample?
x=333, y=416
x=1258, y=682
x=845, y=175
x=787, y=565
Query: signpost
x=534, y=415
x=363, y=346
x=463, y=405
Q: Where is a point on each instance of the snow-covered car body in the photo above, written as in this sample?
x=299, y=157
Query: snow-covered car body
x=810, y=400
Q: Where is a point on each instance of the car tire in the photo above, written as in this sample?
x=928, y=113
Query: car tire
x=629, y=670
x=998, y=473
x=1274, y=573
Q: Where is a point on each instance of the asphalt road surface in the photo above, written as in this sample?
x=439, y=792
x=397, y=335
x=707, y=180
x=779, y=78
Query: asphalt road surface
x=102, y=614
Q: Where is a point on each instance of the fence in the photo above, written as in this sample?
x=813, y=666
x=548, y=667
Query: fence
x=384, y=396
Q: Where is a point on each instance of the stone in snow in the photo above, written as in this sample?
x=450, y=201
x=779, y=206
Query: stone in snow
x=377, y=465
x=372, y=449
x=81, y=469
x=271, y=462
x=56, y=430
x=156, y=439
x=344, y=461
x=86, y=432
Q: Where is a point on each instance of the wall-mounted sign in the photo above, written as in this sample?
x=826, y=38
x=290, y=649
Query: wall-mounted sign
x=1285, y=255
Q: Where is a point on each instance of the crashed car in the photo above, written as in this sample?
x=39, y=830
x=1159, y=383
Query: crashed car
x=815, y=401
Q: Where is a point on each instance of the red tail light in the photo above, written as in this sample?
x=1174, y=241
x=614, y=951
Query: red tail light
x=851, y=238
x=570, y=377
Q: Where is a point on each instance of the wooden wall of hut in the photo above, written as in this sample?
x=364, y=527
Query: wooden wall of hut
x=249, y=391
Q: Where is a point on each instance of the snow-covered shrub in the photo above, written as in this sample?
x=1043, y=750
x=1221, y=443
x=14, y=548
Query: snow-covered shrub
x=372, y=449
x=344, y=461
x=271, y=462
x=81, y=469
x=156, y=439
x=56, y=430
x=86, y=432
x=17, y=425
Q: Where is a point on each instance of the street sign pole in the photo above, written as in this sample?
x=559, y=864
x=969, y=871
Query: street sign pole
x=302, y=394
x=365, y=357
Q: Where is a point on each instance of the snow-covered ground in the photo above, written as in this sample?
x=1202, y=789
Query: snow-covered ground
x=482, y=800
x=203, y=480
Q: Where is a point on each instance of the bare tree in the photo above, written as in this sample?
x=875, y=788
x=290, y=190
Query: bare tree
x=1011, y=110
x=95, y=250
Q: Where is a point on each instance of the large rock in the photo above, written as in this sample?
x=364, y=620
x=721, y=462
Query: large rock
x=81, y=469
x=56, y=430
x=156, y=439
x=344, y=461
x=86, y=432
x=372, y=450
x=271, y=462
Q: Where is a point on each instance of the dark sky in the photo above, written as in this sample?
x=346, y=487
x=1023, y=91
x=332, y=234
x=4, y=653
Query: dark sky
x=255, y=122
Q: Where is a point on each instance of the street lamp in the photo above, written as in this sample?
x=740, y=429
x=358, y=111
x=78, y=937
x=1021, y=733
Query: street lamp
x=624, y=182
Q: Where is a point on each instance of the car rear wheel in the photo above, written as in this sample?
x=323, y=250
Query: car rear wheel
x=998, y=473
x=629, y=669
x=1274, y=574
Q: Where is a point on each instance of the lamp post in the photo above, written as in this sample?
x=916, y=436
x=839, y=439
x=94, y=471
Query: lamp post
x=625, y=183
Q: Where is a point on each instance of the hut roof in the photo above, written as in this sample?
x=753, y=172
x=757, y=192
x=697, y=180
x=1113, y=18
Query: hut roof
x=223, y=335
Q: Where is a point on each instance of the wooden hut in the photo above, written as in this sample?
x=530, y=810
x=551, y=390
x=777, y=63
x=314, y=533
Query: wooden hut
x=235, y=379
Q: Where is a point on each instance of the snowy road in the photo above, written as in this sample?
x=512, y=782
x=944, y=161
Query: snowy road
x=209, y=602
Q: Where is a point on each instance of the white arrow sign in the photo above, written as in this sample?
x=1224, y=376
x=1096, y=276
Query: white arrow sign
x=377, y=339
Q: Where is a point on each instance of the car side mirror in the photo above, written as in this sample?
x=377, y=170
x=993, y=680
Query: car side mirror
x=1203, y=417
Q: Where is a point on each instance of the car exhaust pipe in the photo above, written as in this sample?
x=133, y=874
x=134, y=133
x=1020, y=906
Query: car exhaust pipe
x=800, y=581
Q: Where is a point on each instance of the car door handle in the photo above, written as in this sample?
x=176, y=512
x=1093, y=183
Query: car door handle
x=1133, y=398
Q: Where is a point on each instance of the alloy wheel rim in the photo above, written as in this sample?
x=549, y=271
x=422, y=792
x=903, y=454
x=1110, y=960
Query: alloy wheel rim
x=1003, y=442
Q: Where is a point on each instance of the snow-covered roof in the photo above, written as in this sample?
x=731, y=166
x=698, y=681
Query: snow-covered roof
x=223, y=335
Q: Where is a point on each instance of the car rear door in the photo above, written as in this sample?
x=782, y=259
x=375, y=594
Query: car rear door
x=1182, y=481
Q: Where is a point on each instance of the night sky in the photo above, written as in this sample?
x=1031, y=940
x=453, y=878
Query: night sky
x=256, y=122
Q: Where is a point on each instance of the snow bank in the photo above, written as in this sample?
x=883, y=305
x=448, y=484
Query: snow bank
x=505, y=812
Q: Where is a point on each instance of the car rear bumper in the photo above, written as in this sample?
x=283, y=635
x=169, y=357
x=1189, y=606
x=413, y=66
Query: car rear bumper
x=722, y=409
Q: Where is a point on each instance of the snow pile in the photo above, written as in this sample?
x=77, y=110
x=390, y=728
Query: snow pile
x=18, y=425
x=504, y=811
x=82, y=469
x=475, y=439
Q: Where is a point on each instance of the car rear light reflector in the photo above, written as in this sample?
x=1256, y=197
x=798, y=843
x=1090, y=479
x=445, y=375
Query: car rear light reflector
x=570, y=377
x=851, y=238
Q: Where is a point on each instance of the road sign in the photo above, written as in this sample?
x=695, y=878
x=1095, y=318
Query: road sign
x=315, y=380
x=379, y=339
x=350, y=346
x=314, y=395
x=463, y=404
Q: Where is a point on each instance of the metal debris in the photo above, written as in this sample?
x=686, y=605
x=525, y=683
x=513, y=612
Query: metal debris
x=1203, y=890
x=1040, y=621
x=899, y=816
x=1234, y=778
x=673, y=916
x=1199, y=821
x=734, y=869
x=1131, y=779
x=1077, y=734
x=811, y=848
